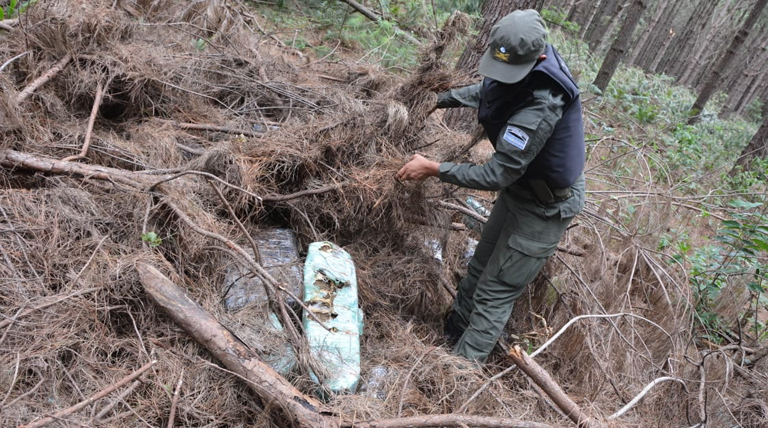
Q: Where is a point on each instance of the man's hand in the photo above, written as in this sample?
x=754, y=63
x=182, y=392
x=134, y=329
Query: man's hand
x=418, y=168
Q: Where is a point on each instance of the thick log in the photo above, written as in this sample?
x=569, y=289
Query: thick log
x=542, y=378
x=288, y=406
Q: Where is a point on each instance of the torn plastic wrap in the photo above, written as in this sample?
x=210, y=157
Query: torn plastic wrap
x=330, y=293
x=478, y=208
x=280, y=257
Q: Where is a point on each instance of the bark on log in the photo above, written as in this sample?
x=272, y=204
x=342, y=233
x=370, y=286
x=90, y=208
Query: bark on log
x=288, y=406
x=12, y=159
x=542, y=378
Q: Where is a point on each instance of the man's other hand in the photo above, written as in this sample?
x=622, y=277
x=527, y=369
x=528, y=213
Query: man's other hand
x=418, y=168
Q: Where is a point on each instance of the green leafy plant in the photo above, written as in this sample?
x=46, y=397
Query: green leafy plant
x=737, y=255
x=15, y=8
x=151, y=239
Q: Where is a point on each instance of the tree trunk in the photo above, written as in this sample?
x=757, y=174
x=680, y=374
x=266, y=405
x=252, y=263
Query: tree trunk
x=750, y=96
x=715, y=76
x=757, y=148
x=577, y=12
x=619, y=46
x=659, y=40
x=590, y=18
x=289, y=407
x=464, y=119
x=597, y=29
x=687, y=37
x=746, y=78
x=700, y=40
x=662, y=51
x=651, y=27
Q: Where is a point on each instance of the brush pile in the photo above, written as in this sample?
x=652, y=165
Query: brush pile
x=149, y=131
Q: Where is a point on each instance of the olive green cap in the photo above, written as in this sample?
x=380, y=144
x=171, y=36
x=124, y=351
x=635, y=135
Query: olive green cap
x=516, y=43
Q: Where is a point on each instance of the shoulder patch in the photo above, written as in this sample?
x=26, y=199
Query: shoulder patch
x=516, y=136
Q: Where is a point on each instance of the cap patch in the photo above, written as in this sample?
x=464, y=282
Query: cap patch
x=501, y=54
x=516, y=136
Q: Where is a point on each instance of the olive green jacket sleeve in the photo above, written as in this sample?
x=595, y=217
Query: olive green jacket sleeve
x=517, y=145
x=468, y=96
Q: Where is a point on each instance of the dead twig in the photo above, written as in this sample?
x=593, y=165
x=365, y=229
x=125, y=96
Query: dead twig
x=7, y=24
x=10, y=61
x=101, y=394
x=103, y=412
x=463, y=210
x=40, y=81
x=642, y=393
x=175, y=401
x=254, y=247
x=542, y=378
x=216, y=128
x=91, y=120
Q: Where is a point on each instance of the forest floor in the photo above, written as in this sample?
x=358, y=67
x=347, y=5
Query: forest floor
x=162, y=126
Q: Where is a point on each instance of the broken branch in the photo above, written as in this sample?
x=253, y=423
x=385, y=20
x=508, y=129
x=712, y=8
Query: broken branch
x=542, y=378
x=89, y=128
x=216, y=128
x=291, y=405
x=175, y=401
x=101, y=394
x=40, y=81
x=642, y=394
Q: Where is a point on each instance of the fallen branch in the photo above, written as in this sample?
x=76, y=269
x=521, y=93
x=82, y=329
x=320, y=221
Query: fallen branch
x=289, y=407
x=101, y=394
x=759, y=355
x=103, y=412
x=216, y=128
x=463, y=210
x=175, y=401
x=13, y=159
x=48, y=75
x=542, y=378
x=451, y=420
x=8, y=24
x=283, y=198
x=10, y=61
x=89, y=128
x=642, y=394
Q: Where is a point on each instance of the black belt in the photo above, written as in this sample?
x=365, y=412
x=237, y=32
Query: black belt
x=548, y=195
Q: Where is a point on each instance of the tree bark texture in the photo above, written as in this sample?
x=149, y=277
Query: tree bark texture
x=704, y=42
x=619, y=46
x=695, y=30
x=289, y=407
x=492, y=10
x=716, y=75
x=646, y=34
x=757, y=148
x=659, y=40
x=599, y=26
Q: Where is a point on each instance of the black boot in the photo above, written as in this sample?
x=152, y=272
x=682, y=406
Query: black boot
x=451, y=332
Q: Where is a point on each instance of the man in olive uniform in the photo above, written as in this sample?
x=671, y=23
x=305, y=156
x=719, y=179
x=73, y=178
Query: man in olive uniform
x=529, y=105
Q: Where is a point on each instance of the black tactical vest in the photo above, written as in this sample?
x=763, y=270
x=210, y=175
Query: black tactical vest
x=561, y=161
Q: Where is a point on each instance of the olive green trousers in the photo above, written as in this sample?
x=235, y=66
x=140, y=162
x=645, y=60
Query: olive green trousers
x=517, y=240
